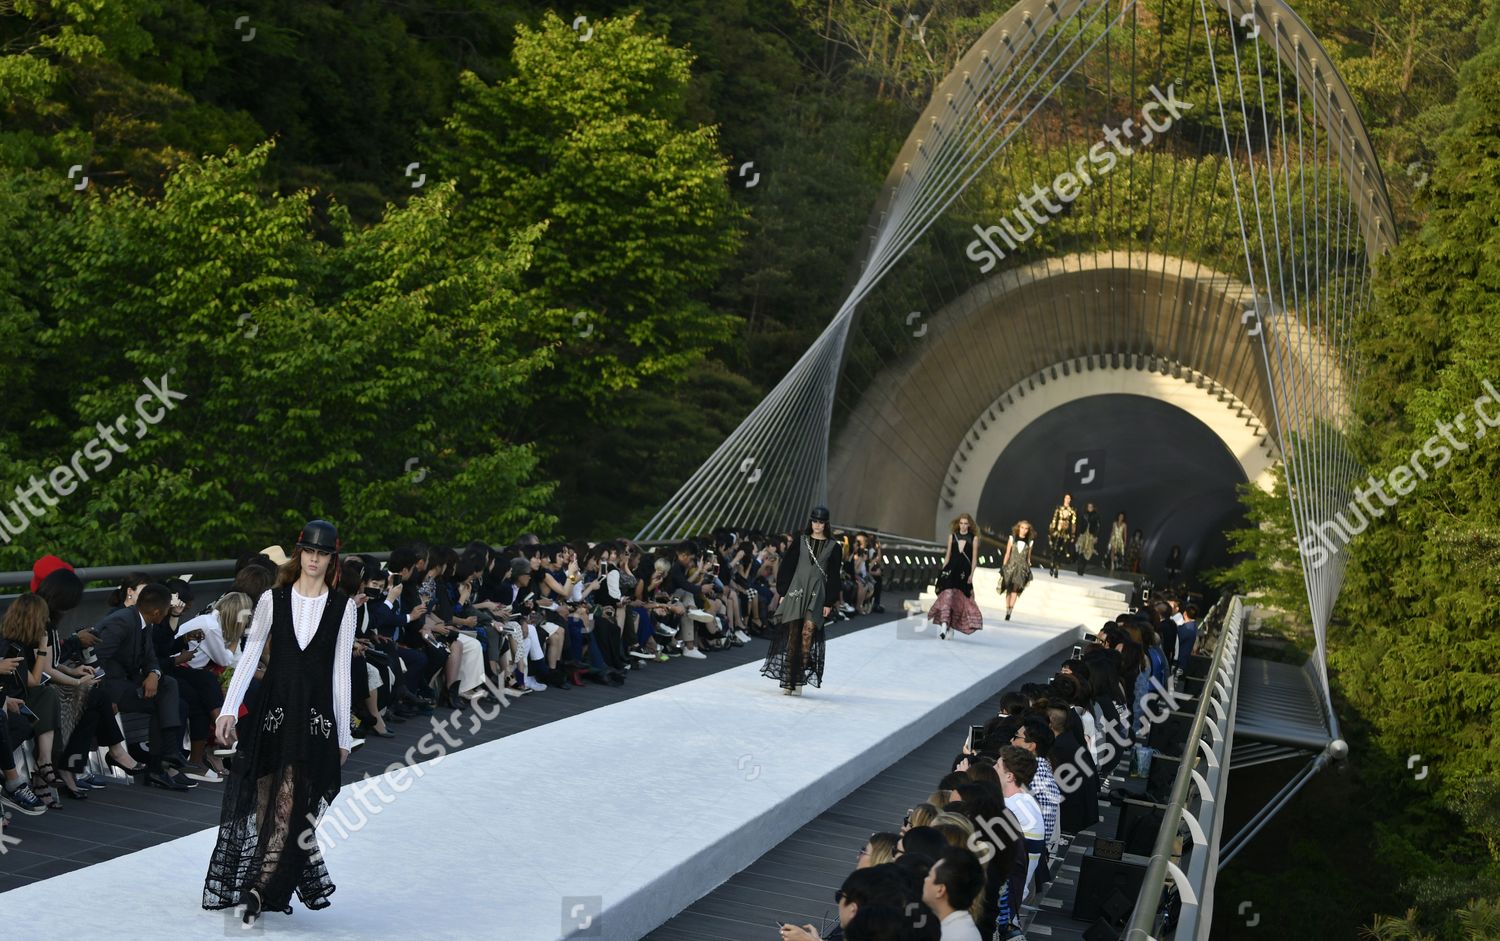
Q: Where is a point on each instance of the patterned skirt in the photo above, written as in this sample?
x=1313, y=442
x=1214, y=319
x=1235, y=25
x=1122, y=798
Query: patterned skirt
x=796, y=654
x=956, y=610
x=1017, y=574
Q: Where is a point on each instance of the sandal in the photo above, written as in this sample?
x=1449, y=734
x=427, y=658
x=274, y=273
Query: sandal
x=45, y=793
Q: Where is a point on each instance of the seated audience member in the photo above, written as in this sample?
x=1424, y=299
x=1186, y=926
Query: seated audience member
x=882, y=921
x=952, y=885
x=921, y=815
x=204, y=647
x=25, y=636
x=87, y=719
x=16, y=793
x=423, y=655
x=1035, y=735
x=878, y=849
x=134, y=683
x=537, y=646
x=923, y=842
x=690, y=596
x=1017, y=768
x=861, y=888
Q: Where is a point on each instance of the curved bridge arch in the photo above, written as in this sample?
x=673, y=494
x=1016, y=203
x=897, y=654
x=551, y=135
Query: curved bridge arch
x=1280, y=199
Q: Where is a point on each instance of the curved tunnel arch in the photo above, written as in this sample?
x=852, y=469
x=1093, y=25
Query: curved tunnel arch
x=1189, y=316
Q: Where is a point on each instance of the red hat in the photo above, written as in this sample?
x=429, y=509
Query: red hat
x=45, y=566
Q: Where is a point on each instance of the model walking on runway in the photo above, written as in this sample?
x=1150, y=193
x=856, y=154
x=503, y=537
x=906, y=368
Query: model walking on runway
x=955, y=608
x=808, y=582
x=1015, y=568
x=1088, y=536
x=1061, y=530
x=1116, y=549
x=295, y=737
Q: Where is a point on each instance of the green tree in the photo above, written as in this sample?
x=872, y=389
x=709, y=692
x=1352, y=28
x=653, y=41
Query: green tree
x=373, y=382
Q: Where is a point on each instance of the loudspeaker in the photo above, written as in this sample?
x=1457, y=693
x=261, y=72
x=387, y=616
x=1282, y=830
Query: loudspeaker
x=1139, y=824
x=1197, y=666
x=1163, y=774
x=1101, y=880
x=1169, y=735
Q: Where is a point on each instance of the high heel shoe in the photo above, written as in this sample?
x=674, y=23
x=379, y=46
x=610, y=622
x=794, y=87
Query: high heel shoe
x=43, y=788
x=137, y=770
x=55, y=781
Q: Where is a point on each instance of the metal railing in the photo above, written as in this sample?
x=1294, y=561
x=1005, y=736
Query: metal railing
x=1194, y=886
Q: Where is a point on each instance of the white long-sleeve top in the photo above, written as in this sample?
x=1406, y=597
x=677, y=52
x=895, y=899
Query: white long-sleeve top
x=212, y=649
x=306, y=613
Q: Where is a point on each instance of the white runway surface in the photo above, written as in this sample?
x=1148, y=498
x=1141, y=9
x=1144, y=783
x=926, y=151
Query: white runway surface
x=607, y=822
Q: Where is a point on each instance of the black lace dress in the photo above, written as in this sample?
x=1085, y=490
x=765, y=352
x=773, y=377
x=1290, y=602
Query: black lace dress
x=808, y=581
x=285, y=773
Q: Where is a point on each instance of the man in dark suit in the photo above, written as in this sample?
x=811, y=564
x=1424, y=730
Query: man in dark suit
x=133, y=680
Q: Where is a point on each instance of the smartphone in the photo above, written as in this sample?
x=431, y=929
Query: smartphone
x=976, y=734
x=26, y=711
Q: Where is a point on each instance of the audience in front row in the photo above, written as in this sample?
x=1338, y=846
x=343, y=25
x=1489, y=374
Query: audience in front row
x=991, y=834
x=438, y=627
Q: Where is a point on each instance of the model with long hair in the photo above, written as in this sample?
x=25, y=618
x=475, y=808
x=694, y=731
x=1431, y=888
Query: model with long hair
x=955, y=608
x=1015, y=568
x=808, y=583
x=294, y=739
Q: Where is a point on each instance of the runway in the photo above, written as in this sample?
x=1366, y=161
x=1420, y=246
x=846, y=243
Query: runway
x=603, y=824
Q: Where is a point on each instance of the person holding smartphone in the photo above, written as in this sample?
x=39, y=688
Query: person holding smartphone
x=25, y=633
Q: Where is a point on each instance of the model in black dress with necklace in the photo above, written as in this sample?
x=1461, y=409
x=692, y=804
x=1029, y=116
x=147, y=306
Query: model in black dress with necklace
x=293, y=741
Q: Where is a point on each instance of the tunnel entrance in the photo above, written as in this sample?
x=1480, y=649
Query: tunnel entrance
x=1169, y=472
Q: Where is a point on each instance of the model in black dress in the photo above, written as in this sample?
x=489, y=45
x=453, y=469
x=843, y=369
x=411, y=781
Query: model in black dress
x=293, y=739
x=808, y=582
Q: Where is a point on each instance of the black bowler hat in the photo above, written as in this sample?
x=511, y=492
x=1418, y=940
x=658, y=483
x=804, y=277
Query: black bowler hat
x=820, y=513
x=319, y=535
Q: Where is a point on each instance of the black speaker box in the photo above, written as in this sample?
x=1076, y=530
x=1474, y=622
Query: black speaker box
x=1100, y=880
x=1169, y=735
x=1139, y=824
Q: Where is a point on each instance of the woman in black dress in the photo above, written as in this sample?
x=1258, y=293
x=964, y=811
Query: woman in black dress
x=295, y=737
x=808, y=582
x=954, y=608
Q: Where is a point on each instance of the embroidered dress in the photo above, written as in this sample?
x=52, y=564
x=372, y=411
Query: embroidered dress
x=955, y=605
x=1017, y=573
x=286, y=771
